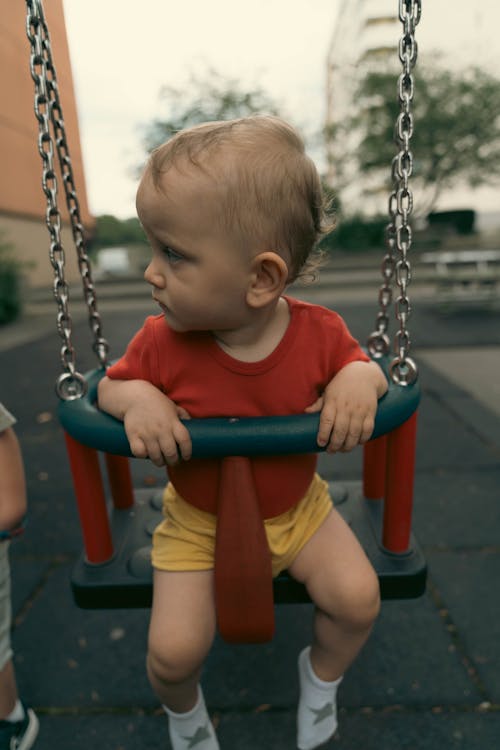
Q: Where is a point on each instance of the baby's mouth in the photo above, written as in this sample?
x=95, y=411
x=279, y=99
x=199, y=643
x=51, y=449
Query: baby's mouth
x=163, y=307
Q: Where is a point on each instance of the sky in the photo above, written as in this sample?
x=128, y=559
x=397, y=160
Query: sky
x=124, y=52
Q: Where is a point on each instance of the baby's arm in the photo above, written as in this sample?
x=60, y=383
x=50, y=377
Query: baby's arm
x=12, y=482
x=348, y=406
x=151, y=420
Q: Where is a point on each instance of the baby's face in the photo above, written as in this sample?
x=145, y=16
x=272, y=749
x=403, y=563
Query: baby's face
x=199, y=273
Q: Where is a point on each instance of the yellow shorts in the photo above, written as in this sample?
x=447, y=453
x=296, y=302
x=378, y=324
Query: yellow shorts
x=185, y=539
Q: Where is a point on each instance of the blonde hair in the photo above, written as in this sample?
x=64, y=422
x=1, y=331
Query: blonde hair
x=271, y=189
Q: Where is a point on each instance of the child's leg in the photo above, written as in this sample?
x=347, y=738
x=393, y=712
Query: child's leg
x=8, y=688
x=342, y=584
x=181, y=632
x=344, y=587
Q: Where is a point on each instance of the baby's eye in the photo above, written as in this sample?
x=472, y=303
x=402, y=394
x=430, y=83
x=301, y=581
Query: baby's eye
x=172, y=255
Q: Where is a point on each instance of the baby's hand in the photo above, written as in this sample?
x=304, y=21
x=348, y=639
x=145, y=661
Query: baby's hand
x=154, y=431
x=152, y=421
x=348, y=406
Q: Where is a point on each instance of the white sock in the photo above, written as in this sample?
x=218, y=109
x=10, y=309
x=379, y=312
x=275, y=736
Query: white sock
x=317, y=711
x=192, y=729
x=17, y=714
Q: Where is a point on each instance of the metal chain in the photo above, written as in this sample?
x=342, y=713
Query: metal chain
x=100, y=345
x=396, y=264
x=71, y=383
x=48, y=112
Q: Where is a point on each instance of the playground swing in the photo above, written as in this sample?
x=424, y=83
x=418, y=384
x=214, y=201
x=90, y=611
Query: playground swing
x=115, y=569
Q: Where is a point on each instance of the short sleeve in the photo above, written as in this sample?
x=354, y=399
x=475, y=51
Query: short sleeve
x=140, y=360
x=340, y=344
x=349, y=348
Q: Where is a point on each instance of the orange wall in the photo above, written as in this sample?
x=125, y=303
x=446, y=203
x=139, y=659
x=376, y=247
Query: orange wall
x=20, y=163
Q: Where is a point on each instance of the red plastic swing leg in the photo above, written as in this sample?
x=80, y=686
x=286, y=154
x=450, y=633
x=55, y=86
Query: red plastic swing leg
x=400, y=474
x=374, y=462
x=91, y=501
x=120, y=481
x=243, y=573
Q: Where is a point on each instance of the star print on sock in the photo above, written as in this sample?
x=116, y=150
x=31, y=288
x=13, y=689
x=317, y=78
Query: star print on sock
x=322, y=713
x=202, y=733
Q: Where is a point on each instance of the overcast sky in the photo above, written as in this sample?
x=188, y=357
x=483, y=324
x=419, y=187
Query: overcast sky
x=123, y=53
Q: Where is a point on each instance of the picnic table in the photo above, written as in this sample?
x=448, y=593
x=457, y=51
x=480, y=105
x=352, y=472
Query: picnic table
x=465, y=276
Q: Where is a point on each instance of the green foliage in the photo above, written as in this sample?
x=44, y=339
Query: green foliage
x=356, y=233
x=207, y=97
x=112, y=232
x=461, y=221
x=10, y=284
x=456, y=127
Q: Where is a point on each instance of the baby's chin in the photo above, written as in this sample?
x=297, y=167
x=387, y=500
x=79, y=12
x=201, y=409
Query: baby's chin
x=174, y=323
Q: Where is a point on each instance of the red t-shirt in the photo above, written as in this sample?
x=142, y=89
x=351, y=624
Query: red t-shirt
x=197, y=374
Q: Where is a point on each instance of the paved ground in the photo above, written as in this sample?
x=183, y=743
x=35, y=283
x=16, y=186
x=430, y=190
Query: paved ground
x=430, y=676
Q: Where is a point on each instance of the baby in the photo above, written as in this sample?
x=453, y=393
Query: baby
x=233, y=211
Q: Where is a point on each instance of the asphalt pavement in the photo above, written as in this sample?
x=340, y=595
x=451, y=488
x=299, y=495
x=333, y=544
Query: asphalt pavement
x=429, y=678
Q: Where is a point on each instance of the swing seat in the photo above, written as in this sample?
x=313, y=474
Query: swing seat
x=125, y=581
x=115, y=569
x=221, y=436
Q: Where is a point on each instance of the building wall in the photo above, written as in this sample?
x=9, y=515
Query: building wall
x=22, y=202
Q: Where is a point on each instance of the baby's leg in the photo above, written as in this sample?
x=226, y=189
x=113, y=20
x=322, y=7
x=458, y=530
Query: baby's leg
x=342, y=584
x=181, y=632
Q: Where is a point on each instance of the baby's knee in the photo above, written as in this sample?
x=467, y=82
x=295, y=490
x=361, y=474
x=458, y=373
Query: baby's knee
x=172, y=661
x=370, y=599
x=363, y=605
x=357, y=603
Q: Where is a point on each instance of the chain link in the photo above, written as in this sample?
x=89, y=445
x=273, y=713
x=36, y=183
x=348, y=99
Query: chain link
x=398, y=236
x=48, y=113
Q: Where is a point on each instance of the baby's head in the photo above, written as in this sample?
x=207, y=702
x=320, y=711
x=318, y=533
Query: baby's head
x=267, y=190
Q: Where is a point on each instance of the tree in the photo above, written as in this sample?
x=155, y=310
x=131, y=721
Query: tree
x=110, y=232
x=456, y=128
x=208, y=96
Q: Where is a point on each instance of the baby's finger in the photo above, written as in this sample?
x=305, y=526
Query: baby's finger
x=138, y=447
x=182, y=413
x=350, y=442
x=183, y=440
x=353, y=434
x=339, y=434
x=326, y=424
x=367, y=429
x=155, y=453
x=317, y=406
x=169, y=450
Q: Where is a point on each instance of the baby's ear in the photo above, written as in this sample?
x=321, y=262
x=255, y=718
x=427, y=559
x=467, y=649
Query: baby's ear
x=269, y=278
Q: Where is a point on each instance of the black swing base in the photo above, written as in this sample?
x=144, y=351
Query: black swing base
x=125, y=581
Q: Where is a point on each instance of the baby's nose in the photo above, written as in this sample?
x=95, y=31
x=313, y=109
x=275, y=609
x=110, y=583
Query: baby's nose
x=153, y=277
